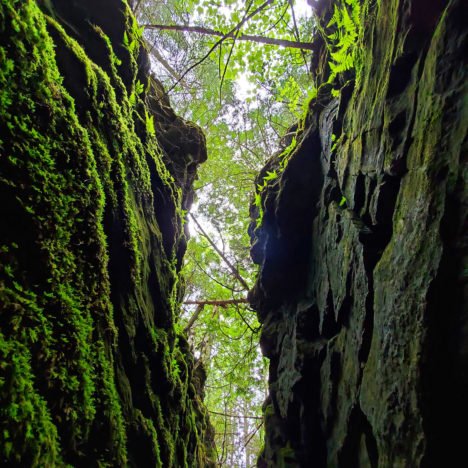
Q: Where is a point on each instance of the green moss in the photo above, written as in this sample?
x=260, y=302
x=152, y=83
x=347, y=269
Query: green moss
x=27, y=432
x=49, y=314
x=67, y=166
x=286, y=457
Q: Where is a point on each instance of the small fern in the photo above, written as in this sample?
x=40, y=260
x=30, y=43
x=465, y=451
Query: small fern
x=150, y=124
x=132, y=42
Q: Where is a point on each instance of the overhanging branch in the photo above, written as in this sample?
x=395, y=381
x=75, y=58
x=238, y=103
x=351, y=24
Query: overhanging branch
x=241, y=37
x=219, y=303
x=223, y=38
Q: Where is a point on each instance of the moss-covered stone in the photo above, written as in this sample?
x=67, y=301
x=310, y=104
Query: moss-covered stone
x=92, y=370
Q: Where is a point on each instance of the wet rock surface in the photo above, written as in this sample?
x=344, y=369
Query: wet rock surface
x=361, y=247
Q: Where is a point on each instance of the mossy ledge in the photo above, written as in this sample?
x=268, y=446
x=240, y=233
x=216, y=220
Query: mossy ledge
x=93, y=371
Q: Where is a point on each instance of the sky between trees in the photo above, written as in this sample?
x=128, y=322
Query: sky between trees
x=245, y=95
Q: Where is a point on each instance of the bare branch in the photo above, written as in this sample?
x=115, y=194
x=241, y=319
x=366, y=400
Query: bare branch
x=212, y=278
x=247, y=323
x=254, y=432
x=220, y=303
x=137, y=6
x=232, y=35
x=235, y=415
x=161, y=59
x=296, y=30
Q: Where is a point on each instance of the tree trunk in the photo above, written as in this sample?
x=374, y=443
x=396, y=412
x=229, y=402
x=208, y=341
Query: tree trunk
x=245, y=428
x=233, y=269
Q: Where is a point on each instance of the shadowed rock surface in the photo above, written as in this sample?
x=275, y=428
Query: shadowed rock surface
x=361, y=242
x=93, y=189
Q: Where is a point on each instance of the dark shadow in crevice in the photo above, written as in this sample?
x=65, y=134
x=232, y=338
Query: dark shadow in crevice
x=359, y=193
x=329, y=327
x=400, y=74
x=442, y=378
x=376, y=240
x=310, y=443
x=360, y=444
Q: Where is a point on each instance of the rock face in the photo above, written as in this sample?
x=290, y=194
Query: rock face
x=360, y=246
x=94, y=184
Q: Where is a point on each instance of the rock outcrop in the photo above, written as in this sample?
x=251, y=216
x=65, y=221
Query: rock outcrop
x=93, y=191
x=360, y=243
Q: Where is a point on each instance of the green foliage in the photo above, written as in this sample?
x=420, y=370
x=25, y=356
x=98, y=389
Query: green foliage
x=136, y=91
x=244, y=96
x=293, y=93
x=223, y=341
x=132, y=38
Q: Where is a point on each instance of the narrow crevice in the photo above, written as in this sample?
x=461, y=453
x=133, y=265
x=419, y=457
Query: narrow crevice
x=441, y=379
x=368, y=323
x=329, y=327
x=359, y=193
x=360, y=446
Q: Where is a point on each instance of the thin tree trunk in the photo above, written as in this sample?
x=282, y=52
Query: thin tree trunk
x=232, y=441
x=160, y=58
x=194, y=317
x=296, y=31
x=233, y=269
x=241, y=37
x=246, y=435
x=135, y=9
x=205, y=352
x=255, y=431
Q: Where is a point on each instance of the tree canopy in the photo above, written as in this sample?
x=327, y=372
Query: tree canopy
x=245, y=93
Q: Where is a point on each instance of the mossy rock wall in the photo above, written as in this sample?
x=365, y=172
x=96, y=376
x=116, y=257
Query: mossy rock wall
x=361, y=246
x=93, y=371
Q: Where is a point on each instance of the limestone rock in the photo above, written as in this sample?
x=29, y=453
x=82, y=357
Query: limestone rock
x=360, y=244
